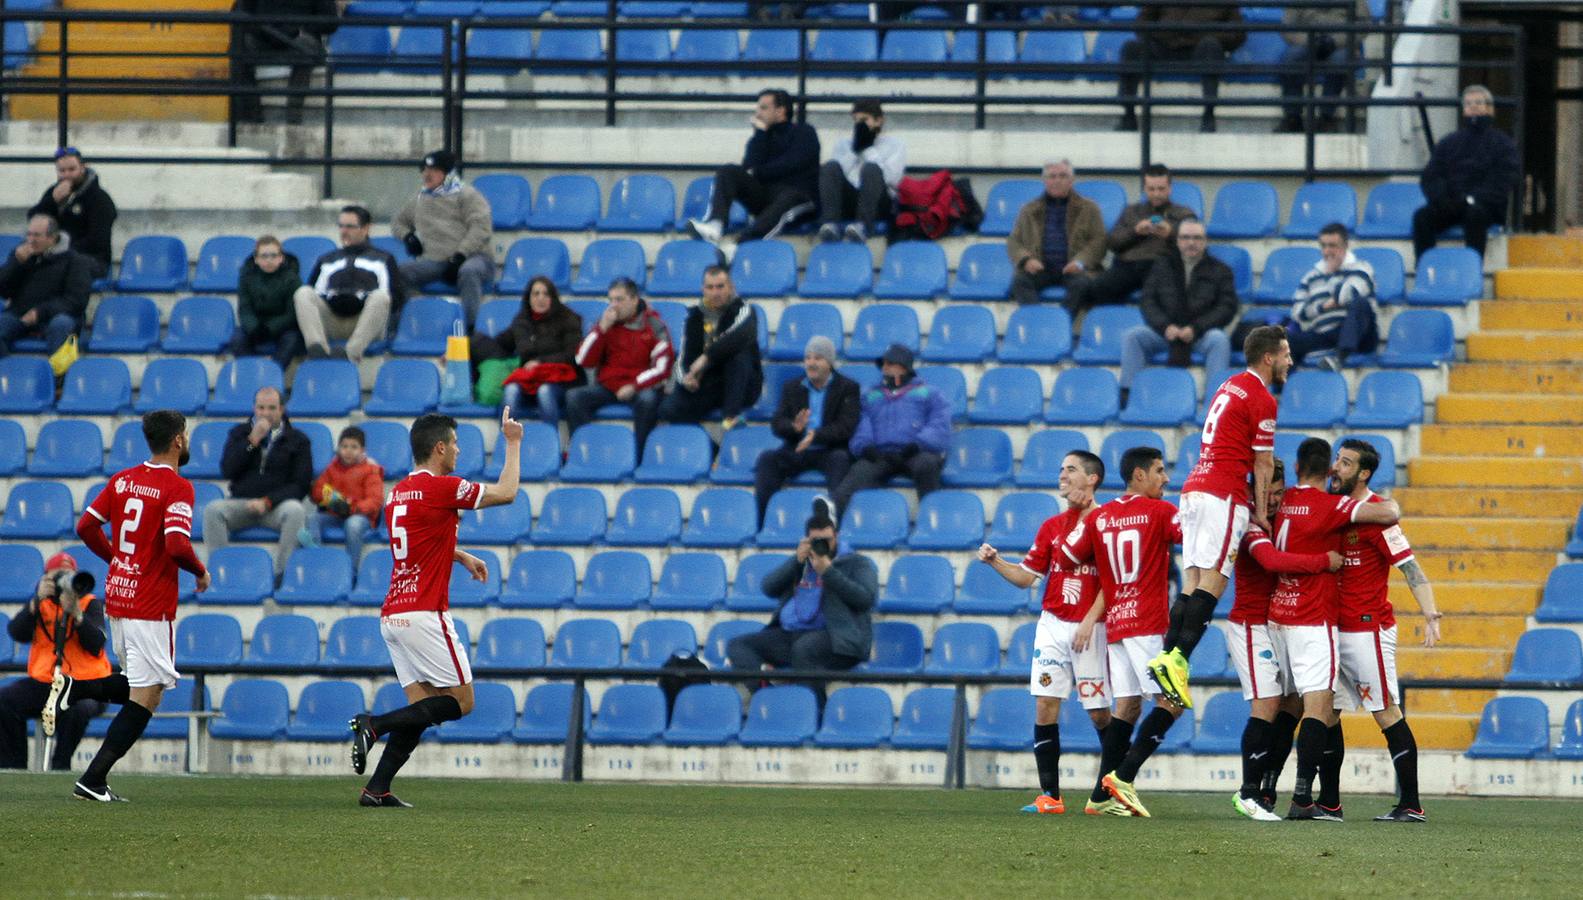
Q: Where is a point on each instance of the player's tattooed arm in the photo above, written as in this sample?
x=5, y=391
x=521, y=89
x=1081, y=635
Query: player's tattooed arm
x=1418, y=583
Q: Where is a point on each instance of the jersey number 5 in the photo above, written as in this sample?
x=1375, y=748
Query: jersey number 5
x=398, y=532
x=131, y=517
x=1125, y=554
x=1212, y=416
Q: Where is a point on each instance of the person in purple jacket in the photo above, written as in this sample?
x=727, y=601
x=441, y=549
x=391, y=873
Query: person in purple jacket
x=905, y=429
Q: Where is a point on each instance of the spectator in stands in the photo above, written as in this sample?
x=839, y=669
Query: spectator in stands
x=1145, y=232
x=270, y=466
x=1058, y=238
x=1203, y=48
x=904, y=429
x=826, y=594
x=815, y=418
x=859, y=181
x=449, y=230
x=1470, y=174
x=1334, y=304
x=631, y=348
x=82, y=207
x=348, y=493
x=265, y=307
x=64, y=624
x=1307, y=41
x=718, y=365
x=544, y=335
x=1188, y=300
x=278, y=44
x=349, y=292
x=777, y=180
x=45, y=284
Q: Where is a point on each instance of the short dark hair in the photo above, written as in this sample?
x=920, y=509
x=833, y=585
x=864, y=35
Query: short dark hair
x=781, y=98
x=429, y=429
x=361, y=212
x=160, y=427
x=870, y=107
x=1368, y=457
x=717, y=269
x=1262, y=340
x=355, y=433
x=1138, y=458
x=1092, y=464
x=821, y=518
x=1336, y=228
x=1278, y=476
x=1313, y=457
x=1156, y=170
x=626, y=285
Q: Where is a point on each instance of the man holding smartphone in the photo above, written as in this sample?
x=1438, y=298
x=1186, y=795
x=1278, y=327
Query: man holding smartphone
x=1145, y=232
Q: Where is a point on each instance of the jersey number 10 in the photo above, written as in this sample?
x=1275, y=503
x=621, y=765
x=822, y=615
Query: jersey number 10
x=1125, y=553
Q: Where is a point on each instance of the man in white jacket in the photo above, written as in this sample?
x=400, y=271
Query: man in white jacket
x=1334, y=304
x=859, y=182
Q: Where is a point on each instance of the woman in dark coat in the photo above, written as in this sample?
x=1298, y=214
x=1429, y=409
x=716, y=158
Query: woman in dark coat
x=544, y=335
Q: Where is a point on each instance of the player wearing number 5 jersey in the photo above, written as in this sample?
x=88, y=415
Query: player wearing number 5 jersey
x=1129, y=539
x=431, y=663
x=1238, y=442
x=149, y=510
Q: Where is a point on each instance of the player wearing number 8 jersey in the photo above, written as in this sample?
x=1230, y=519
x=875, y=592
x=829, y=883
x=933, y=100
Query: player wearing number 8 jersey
x=431, y=663
x=1238, y=442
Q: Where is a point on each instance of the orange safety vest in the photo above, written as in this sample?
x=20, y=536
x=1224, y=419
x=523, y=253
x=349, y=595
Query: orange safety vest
x=75, y=661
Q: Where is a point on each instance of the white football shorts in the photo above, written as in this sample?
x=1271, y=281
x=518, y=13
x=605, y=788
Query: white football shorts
x=1306, y=656
x=147, y=650
x=1368, y=669
x=1254, y=658
x=1129, y=665
x=424, y=647
x=1212, y=528
x=1057, y=669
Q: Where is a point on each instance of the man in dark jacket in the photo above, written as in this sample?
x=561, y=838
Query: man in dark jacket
x=1188, y=300
x=826, y=594
x=349, y=292
x=300, y=46
x=46, y=285
x=270, y=466
x=1204, y=48
x=777, y=180
x=905, y=429
x=1470, y=174
x=543, y=335
x=1145, y=232
x=814, y=419
x=718, y=366
x=265, y=309
x=81, y=206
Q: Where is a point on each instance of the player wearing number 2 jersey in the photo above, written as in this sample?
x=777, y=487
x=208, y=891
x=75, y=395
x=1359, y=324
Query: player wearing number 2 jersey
x=149, y=510
x=1130, y=540
x=431, y=661
x=1238, y=442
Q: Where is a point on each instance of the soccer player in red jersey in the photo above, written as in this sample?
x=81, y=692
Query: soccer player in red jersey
x=1070, y=591
x=1129, y=539
x=431, y=663
x=1366, y=644
x=1238, y=441
x=1304, y=609
x=149, y=510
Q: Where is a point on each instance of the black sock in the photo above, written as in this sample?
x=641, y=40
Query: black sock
x=1150, y=734
x=1404, y=756
x=125, y=729
x=1256, y=737
x=1114, y=739
x=398, y=747
x=1047, y=756
x=110, y=689
x=1311, y=737
x=1330, y=768
x=1173, y=630
x=1285, y=731
x=420, y=715
x=1200, y=608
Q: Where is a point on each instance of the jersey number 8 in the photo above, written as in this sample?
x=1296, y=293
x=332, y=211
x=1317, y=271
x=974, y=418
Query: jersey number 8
x=1212, y=416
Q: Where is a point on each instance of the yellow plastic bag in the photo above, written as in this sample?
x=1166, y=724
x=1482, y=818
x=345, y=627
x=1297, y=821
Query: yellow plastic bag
x=64, y=356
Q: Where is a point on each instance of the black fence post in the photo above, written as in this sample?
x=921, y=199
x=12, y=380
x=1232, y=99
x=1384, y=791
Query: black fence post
x=572, y=760
x=62, y=95
x=327, y=172
x=980, y=77
x=459, y=108
x=610, y=62
x=447, y=88
x=1308, y=114
x=956, y=747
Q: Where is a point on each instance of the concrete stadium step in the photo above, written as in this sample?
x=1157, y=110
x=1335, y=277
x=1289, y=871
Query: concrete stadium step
x=1478, y=472
x=1431, y=730
x=1519, y=346
x=1537, y=315
x=1451, y=662
x=1419, y=501
x=1500, y=440
x=1516, y=378
x=1466, y=598
x=1545, y=250
x=1509, y=408
x=1538, y=284
x=1500, y=534
x=1510, y=566
x=1478, y=631
x=1447, y=701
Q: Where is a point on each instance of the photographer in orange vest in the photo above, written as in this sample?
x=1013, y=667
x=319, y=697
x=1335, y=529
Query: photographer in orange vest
x=64, y=622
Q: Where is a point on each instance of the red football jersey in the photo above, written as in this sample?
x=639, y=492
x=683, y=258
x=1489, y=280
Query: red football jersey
x=1130, y=540
x=422, y=517
x=142, y=505
x=1240, y=420
x=1069, y=588
x=1371, y=551
x=1311, y=522
x=1255, y=583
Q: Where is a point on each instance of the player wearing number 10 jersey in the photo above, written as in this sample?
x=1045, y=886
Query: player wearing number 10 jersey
x=431, y=663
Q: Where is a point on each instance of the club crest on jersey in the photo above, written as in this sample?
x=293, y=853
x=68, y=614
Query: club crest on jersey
x=1352, y=539
x=1044, y=679
x=180, y=509
x=462, y=487
x=120, y=485
x=1267, y=425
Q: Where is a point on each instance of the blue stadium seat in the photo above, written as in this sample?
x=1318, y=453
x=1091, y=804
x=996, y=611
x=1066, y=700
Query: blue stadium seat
x=961, y=334
x=856, y=717
x=599, y=451
x=1042, y=455
x=373, y=578
x=800, y=322
x=1004, y=721
x=1000, y=48
x=208, y=639
x=1187, y=194
x=978, y=457
x=1111, y=196
x=199, y=325
x=874, y=519
x=96, y=386
x=540, y=579
x=1313, y=399
x=983, y=273
x=67, y=448
x=652, y=9
x=403, y=387
x=153, y=262
x=469, y=450
x=675, y=454
x=704, y=47
x=1162, y=396
x=985, y=593
x=641, y=202
x=646, y=517
x=1017, y=518
x=844, y=46
x=1286, y=444
x=780, y=716
x=679, y=268
x=1563, y=593
x=565, y=202
x=1571, y=746
x=354, y=642
x=1054, y=48
x=208, y=441
x=1241, y=263
x=546, y=713
x=880, y=325
x=500, y=51
x=329, y=387
x=27, y=385
x=493, y=716
x=571, y=516
x=316, y=575
x=510, y=196
x=239, y=380
x=539, y=457
x=925, y=720
x=605, y=260
x=1447, y=276
x=495, y=316
x=173, y=383
x=390, y=445
x=1084, y=396
x=1318, y=204
x=360, y=48
x=747, y=594
x=219, y=263
x=766, y=269
x=1284, y=269
x=1107, y=51
x=912, y=270
x=240, y=576
x=388, y=698
x=323, y=710
x=1419, y=338
x=124, y=325
x=514, y=643
x=1244, y=209
x=254, y=709
x=13, y=448
x=1220, y=728
x=615, y=579
x=1011, y=395
x=843, y=271
x=700, y=191
x=929, y=47
x=921, y=585
x=629, y=714
x=783, y=522
x=38, y=509
x=529, y=258
x=721, y=517
x=497, y=524
x=948, y=520
x=1103, y=328
x=1512, y=728
x=966, y=648
x=1019, y=654
x=1388, y=211
x=655, y=640
x=1547, y=654
x=1390, y=273
x=1388, y=400
x=690, y=581
x=721, y=634
x=307, y=248
x=466, y=591
x=1001, y=206
x=321, y=445
x=1118, y=442
x=898, y=646
x=418, y=50
x=1210, y=658
x=284, y=639
x=425, y=324
x=1035, y=334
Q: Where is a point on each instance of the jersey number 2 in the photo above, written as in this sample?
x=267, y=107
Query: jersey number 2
x=131, y=517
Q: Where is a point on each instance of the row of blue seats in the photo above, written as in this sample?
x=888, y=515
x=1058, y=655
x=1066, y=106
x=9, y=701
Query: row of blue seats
x=1563, y=593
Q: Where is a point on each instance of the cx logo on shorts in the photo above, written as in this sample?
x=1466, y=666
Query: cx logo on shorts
x=1365, y=691
x=1086, y=689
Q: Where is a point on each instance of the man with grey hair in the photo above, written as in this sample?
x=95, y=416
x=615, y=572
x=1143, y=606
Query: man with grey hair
x=814, y=419
x=1470, y=175
x=1058, y=238
x=270, y=465
x=45, y=284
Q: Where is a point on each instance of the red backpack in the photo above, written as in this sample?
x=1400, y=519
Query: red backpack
x=928, y=207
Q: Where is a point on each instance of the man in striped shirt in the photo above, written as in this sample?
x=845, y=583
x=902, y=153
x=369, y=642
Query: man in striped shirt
x=1333, y=308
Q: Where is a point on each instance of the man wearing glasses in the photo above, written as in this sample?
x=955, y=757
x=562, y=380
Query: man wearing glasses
x=1334, y=306
x=82, y=208
x=349, y=292
x=45, y=284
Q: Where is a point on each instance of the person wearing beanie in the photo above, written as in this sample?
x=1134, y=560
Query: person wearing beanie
x=858, y=183
x=905, y=429
x=717, y=365
x=448, y=230
x=815, y=418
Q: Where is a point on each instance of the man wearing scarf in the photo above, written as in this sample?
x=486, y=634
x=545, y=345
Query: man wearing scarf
x=859, y=181
x=449, y=231
x=1469, y=176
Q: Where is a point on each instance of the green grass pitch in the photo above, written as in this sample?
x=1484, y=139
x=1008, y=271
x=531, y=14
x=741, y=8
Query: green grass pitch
x=232, y=837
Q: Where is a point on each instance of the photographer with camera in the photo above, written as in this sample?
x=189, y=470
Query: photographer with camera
x=350, y=292
x=826, y=595
x=65, y=624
